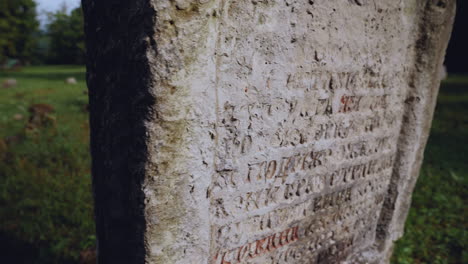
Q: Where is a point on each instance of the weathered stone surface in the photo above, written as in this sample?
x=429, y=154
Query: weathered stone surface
x=269, y=131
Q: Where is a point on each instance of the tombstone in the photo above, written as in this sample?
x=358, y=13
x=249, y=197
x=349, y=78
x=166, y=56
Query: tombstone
x=8, y=83
x=40, y=117
x=263, y=131
x=71, y=80
x=18, y=117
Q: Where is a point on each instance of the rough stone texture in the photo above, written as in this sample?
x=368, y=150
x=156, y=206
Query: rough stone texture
x=262, y=131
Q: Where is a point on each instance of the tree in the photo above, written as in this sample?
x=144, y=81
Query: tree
x=18, y=24
x=66, y=37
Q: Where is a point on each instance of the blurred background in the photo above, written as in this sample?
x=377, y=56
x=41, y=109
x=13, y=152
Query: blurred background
x=46, y=208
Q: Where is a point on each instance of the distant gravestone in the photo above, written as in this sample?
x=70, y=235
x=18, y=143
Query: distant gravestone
x=17, y=117
x=40, y=116
x=269, y=131
x=71, y=80
x=8, y=83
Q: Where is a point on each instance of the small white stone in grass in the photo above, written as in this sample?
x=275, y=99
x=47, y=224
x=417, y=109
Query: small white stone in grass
x=71, y=80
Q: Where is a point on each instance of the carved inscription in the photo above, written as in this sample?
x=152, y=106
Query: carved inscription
x=258, y=247
x=303, y=162
x=304, y=154
x=304, y=122
x=315, y=198
x=317, y=234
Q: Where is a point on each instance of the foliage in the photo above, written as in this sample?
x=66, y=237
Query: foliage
x=18, y=23
x=66, y=33
x=436, y=229
x=45, y=185
x=20, y=37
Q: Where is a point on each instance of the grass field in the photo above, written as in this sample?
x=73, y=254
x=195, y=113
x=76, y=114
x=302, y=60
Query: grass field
x=45, y=183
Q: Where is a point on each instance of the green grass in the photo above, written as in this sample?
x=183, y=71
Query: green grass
x=45, y=184
x=436, y=229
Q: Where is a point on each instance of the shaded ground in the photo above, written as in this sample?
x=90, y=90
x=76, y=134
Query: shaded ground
x=45, y=184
